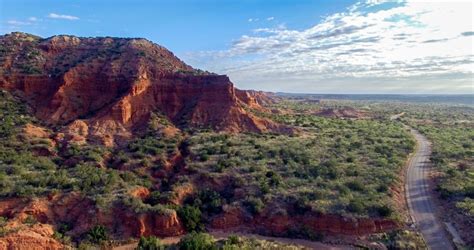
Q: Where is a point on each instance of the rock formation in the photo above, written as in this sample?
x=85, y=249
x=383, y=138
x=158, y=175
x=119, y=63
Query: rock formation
x=280, y=224
x=106, y=88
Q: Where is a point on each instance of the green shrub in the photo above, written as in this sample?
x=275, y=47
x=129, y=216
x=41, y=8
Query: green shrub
x=154, y=198
x=384, y=211
x=30, y=220
x=233, y=240
x=191, y=217
x=150, y=243
x=197, y=241
x=3, y=229
x=255, y=205
x=209, y=201
x=356, y=185
x=356, y=206
x=97, y=234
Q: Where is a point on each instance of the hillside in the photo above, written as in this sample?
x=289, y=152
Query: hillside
x=108, y=87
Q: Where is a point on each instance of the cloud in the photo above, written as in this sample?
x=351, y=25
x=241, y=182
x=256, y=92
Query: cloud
x=33, y=19
x=61, y=16
x=468, y=33
x=253, y=20
x=373, y=46
x=436, y=40
x=270, y=18
x=18, y=23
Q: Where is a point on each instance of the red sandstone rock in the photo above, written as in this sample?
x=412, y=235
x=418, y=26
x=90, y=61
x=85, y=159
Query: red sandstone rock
x=111, y=85
x=255, y=99
x=33, y=131
x=279, y=224
x=83, y=214
x=38, y=237
x=181, y=192
x=140, y=192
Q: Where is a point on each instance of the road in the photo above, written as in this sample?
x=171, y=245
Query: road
x=420, y=197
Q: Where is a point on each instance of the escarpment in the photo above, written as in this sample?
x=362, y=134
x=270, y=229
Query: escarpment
x=113, y=84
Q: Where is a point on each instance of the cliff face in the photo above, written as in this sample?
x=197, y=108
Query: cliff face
x=81, y=212
x=113, y=84
x=280, y=224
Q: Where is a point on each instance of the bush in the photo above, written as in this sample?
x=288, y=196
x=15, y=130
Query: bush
x=150, y=243
x=197, y=241
x=97, y=234
x=154, y=198
x=30, y=220
x=191, y=217
x=209, y=201
x=255, y=205
x=355, y=185
x=3, y=229
x=356, y=206
x=384, y=211
x=233, y=239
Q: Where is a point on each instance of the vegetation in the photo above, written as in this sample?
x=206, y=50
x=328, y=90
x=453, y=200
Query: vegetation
x=150, y=243
x=403, y=239
x=3, y=229
x=97, y=234
x=205, y=241
x=191, y=217
x=197, y=241
x=331, y=166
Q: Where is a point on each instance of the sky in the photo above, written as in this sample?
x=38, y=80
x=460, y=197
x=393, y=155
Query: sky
x=299, y=46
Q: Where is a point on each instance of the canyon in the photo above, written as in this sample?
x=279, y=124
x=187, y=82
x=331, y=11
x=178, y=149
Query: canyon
x=127, y=108
x=107, y=87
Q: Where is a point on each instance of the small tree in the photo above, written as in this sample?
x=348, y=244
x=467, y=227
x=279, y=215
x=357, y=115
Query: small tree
x=191, y=217
x=97, y=234
x=197, y=241
x=150, y=243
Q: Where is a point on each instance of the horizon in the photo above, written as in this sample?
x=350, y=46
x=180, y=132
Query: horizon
x=342, y=47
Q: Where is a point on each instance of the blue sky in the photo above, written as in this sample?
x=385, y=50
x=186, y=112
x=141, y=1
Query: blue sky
x=182, y=26
x=312, y=46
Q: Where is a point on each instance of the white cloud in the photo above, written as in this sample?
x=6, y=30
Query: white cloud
x=61, y=16
x=397, y=48
x=270, y=18
x=18, y=23
x=14, y=25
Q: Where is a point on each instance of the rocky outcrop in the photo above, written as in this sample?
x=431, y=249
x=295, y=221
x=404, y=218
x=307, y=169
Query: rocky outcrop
x=40, y=138
x=256, y=99
x=37, y=237
x=112, y=85
x=150, y=223
x=140, y=192
x=279, y=224
x=74, y=209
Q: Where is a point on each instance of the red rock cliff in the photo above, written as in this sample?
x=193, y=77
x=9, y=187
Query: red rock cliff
x=113, y=84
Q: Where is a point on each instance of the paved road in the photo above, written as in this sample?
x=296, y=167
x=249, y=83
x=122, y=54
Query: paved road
x=420, y=200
